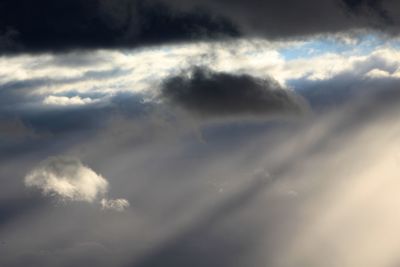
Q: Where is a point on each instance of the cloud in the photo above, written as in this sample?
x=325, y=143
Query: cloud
x=78, y=24
x=207, y=93
x=67, y=101
x=376, y=7
x=119, y=204
x=106, y=72
x=280, y=19
x=7, y=39
x=68, y=179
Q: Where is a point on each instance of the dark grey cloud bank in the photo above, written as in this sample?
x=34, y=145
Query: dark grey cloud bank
x=212, y=94
x=45, y=25
x=287, y=18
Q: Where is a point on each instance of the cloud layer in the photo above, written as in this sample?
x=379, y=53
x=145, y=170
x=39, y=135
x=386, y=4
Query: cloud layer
x=77, y=24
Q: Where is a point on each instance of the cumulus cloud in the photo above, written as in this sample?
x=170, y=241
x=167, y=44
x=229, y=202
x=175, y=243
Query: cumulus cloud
x=68, y=179
x=207, y=93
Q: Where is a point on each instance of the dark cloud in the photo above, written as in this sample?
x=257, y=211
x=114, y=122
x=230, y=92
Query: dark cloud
x=207, y=93
x=46, y=25
x=290, y=18
x=375, y=7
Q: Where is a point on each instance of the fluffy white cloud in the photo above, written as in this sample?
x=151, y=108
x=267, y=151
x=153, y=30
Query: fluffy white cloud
x=69, y=179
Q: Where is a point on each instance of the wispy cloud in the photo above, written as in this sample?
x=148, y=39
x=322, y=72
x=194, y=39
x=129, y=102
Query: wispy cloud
x=67, y=101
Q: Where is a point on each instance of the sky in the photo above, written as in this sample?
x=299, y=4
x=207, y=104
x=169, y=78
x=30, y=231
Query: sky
x=199, y=133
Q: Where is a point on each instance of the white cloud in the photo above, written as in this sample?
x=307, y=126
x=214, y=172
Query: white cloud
x=68, y=179
x=327, y=66
x=377, y=73
x=67, y=101
x=119, y=204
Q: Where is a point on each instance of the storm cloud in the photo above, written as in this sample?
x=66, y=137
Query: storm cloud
x=290, y=18
x=45, y=26
x=207, y=93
